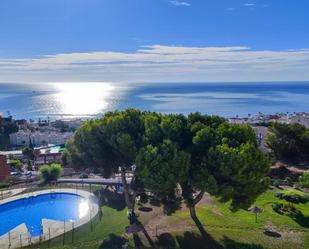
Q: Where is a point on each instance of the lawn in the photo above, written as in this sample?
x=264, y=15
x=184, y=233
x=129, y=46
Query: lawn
x=112, y=224
x=230, y=230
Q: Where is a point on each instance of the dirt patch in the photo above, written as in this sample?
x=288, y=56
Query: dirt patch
x=157, y=222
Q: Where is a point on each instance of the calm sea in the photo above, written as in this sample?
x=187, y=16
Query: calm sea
x=71, y=100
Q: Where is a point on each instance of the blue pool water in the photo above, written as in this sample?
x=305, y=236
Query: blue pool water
x=54, y=206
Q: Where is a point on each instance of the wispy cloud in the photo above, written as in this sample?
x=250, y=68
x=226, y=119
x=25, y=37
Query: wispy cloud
x=249, y=4
x=230, y=9
x=180, y=3
x=161, y=63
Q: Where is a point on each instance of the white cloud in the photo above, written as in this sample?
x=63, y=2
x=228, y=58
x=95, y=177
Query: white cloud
x=158, y=63
x=180, y=3
x=230, y=9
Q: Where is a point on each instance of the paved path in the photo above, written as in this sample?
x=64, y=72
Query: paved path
x=10, y=192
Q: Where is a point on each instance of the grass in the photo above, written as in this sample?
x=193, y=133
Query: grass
x=222, y=223
x=232, y=230
x=113, y=223
x=220, y=214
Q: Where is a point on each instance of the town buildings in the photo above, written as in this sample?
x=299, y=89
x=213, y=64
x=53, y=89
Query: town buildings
x=260, y=118
x=24, y=138
x=46, y=155
x=301, y=119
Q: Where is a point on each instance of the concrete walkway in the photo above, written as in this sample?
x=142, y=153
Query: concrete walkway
x=6, y=193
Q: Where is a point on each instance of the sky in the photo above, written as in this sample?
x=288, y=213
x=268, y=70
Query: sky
x=153, y=40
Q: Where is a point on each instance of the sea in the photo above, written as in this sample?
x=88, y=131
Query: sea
x=91, y=100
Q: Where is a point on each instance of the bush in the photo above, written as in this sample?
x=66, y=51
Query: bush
x=51, y=172
x=4, y=185
x=282, y=209
x=304, y=180
x=293, y=196
x=16, y=165
x=277, y=182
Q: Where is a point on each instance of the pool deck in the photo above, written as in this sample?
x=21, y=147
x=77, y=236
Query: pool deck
x=20, y=236
x=11, y=192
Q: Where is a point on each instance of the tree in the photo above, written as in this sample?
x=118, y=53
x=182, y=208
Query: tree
x=28, y=152
x=7, y=126
x=109, y=144
x=174, y=156
x=65, y=158
x=288, y=141
x=51, y=172
x=202, y=154
x=304, y=180
x=240, y=172
x=167, y=166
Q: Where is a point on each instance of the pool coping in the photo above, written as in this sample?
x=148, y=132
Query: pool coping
x=20, y=236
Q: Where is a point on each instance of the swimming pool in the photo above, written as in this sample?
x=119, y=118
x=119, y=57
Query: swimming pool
x=31, y=210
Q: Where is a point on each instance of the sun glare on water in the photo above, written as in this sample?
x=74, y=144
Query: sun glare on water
x=83, y=98
x=83, y=209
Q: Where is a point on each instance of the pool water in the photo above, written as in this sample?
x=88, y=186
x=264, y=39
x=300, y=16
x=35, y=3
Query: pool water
x=31, y=211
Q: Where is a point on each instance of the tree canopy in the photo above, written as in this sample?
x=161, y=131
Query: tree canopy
x=175, y=155
x=288, y=141
x=211, y=155
x=7, y=126
x=109, y=144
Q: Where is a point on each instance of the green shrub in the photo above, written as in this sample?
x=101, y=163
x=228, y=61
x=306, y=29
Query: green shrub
x=293, y=196
x=277, y=182
x=304, y=180
x=281, y=208
x=16, y=165
x=51, y=172
x=4, y=185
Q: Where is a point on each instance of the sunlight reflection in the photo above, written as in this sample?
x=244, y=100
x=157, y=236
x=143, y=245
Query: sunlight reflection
x=83, y=98
x=83, y=208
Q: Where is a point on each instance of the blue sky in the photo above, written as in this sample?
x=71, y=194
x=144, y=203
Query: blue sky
x=153, y=40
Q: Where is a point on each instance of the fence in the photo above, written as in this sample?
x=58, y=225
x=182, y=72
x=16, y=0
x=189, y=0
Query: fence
x=50, y=233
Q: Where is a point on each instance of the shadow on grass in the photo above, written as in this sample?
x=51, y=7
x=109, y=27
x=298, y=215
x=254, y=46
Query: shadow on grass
x=171, y=206
x=137, y=241
x=293, y=213
x=166, y=240
x=194, y=240
x=111, y=199
x=301, y=219
x=113, y=242
x=155, y=202
x=189, y=240
x=231, y=244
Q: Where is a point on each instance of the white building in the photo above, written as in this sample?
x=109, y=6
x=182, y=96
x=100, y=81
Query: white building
x=21, y=138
